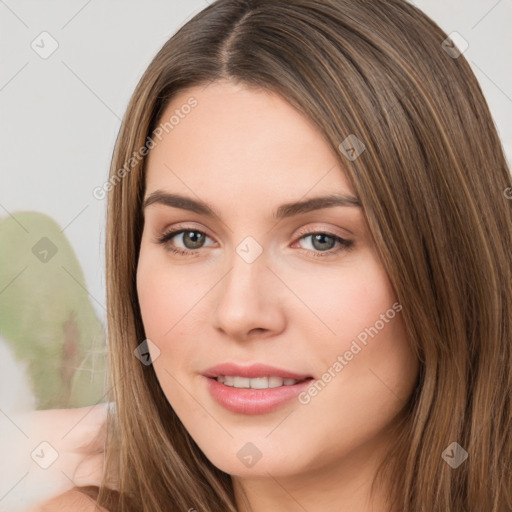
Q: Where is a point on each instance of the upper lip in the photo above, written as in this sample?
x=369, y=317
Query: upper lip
x=253, y=371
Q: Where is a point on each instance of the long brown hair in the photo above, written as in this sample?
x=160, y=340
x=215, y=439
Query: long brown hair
x=431, y=180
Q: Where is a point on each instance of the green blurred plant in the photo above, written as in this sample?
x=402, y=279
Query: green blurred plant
x=46, y=314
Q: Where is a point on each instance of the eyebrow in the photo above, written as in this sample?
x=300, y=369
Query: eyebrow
x=285, y=210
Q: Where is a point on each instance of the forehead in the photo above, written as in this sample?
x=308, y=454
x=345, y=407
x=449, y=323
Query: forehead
x=249, y=141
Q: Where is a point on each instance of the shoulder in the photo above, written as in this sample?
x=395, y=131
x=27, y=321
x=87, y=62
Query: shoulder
x=71, y=501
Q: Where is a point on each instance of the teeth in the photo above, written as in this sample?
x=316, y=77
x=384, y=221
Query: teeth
x=275, y=382
x=256, y=383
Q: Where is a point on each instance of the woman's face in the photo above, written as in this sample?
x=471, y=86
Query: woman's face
x=297, y=288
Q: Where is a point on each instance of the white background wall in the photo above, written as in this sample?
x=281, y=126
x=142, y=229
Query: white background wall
x=60, y=116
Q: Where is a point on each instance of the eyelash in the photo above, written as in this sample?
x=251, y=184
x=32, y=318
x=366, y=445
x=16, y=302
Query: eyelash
x=165, y=237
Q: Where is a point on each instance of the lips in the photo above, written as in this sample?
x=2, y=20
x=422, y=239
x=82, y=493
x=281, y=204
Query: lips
x=253, y=371
x=253, y=401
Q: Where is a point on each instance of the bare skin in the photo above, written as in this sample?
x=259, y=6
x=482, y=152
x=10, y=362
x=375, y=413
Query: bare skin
x=70, y=500
x=76, y=437
x=245, y=153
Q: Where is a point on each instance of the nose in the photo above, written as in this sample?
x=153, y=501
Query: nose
x=249, y=300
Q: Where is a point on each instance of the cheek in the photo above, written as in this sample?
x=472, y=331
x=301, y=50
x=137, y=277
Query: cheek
x=154, y=290
x=165, y=294
x=365, y=327
x=166, y=298
x=345, y=299
x=377, y=367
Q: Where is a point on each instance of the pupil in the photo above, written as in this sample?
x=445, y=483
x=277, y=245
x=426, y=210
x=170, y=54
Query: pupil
x=321, y=238
x=195, y=243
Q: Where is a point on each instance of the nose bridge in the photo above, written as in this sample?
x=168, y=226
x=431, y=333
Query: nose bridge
x=247, y=279
x=244, y=301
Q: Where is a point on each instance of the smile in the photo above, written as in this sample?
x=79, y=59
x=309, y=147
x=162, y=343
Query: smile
x=255, y=383
x=241, y=395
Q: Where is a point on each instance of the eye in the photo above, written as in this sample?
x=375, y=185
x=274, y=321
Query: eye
x=323, y=244
x=193, y=239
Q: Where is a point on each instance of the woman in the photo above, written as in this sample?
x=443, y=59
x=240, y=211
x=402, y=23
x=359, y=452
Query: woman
x=255, y=368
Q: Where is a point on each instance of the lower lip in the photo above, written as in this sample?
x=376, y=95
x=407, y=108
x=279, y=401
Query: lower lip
x=254, y=401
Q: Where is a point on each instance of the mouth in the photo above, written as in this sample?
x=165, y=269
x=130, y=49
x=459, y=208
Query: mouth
x=256, y=389
x=240, y=382
x=256, y=375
